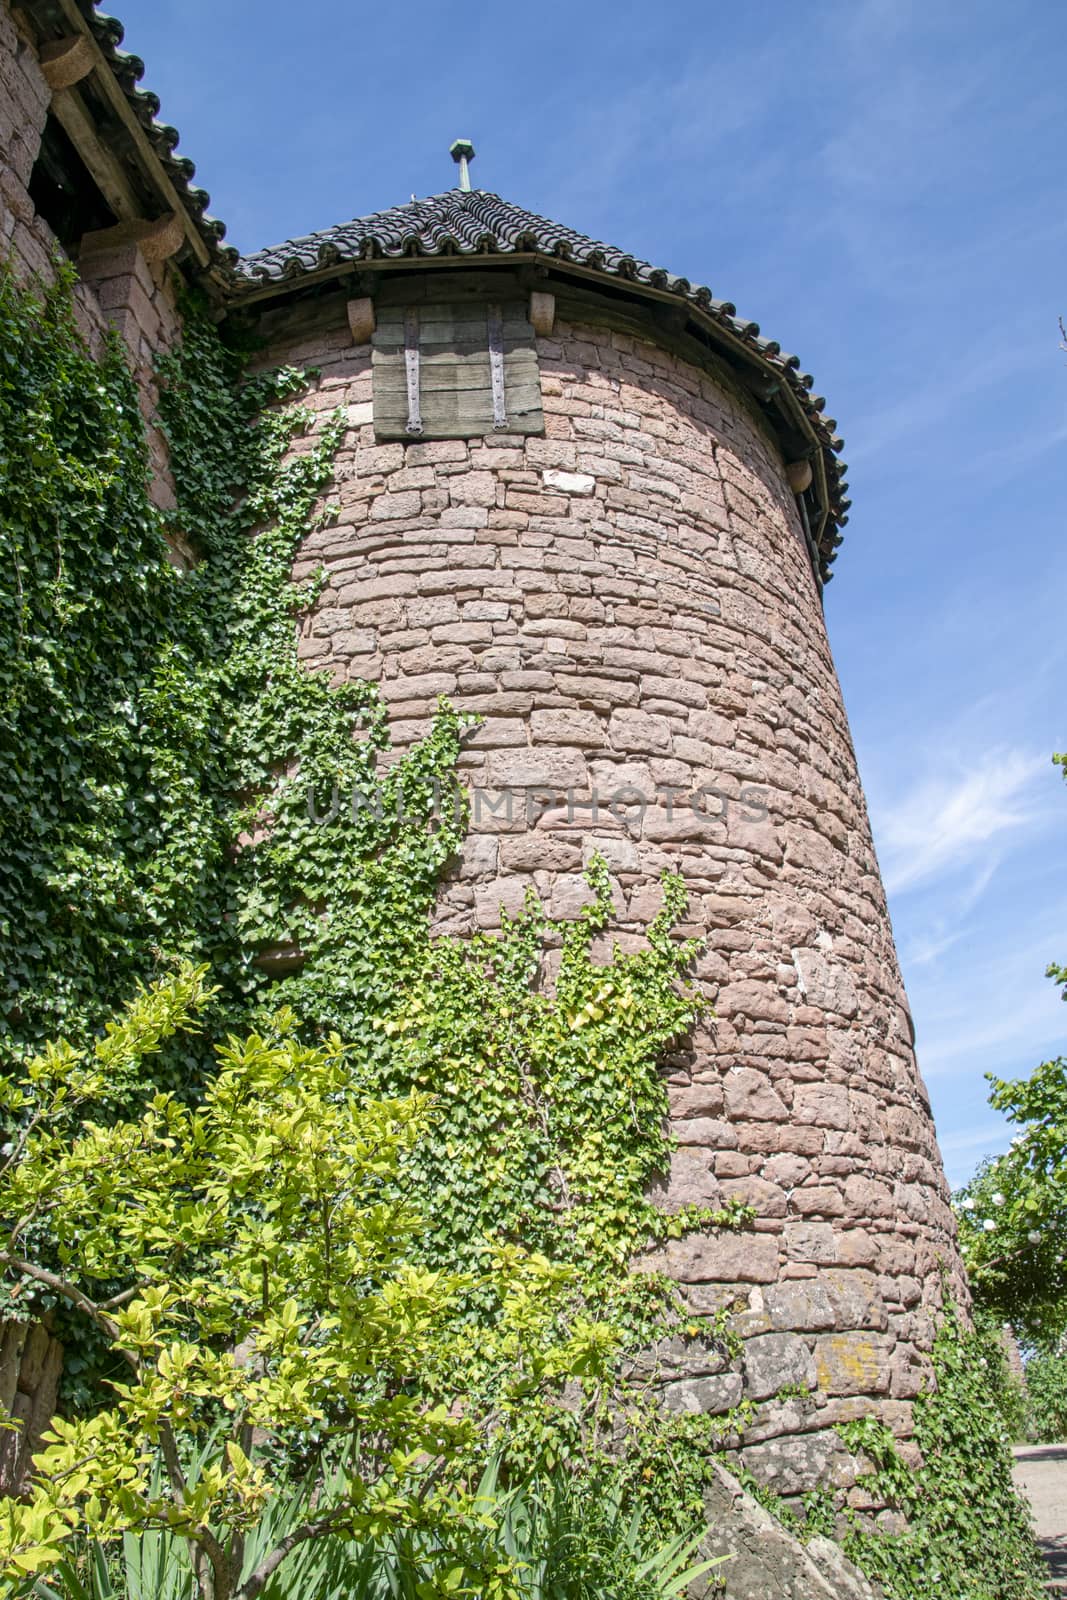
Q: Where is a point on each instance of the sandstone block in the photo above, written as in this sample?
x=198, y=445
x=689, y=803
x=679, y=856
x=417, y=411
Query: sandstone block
x=705, y=1131
x=750, y=1095
x=853, y=1363
x=824, y=1104
x=472, y=489
x=810, y=1241
x=557, y=770
x=570, y=895
x=856, y=1299
x=749, y=998
x=856, y=1248
x=430, y=613
x=767, y=1199
x=581, y=728
x=819, y=1200
x=637, y=730
x=827, y=983
x=698, y=1100
x=390, y=507
x=789, y=1466
x=704, y=1396
x=721, y=1258
x=773, y=1361
x=692, y=1180
x=801, y=1306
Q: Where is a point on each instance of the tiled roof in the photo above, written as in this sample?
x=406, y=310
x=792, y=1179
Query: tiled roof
x=128, y=71
x=477, y=223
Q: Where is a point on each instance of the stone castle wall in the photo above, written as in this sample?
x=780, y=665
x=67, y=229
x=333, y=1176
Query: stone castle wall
x=31, y=1362
x=629, y=604
x=118, y=287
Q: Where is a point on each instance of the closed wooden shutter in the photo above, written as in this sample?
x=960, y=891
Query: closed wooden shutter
x=455, y=371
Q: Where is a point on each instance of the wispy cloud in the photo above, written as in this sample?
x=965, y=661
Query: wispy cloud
x=940, y=933
x=935, y=403
x=984, y=1033
x=944, y=822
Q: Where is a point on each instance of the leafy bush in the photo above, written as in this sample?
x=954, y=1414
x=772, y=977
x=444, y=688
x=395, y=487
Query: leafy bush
x=272, y=1300
x=554, y=1537
x=1046, y=1395
x=968, y=1534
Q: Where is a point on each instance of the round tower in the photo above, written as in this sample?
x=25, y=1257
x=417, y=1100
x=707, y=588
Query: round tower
x=588, y=501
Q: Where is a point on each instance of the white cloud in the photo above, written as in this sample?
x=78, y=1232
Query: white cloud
x=944, y=823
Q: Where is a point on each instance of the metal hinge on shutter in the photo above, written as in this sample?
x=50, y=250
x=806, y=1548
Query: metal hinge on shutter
x=495, y=322
x=411, y=369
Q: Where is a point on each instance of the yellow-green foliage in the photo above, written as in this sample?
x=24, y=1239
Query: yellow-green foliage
x=272, y=1297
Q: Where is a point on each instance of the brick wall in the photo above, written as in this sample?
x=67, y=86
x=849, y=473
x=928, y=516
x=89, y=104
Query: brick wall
x=629, y=604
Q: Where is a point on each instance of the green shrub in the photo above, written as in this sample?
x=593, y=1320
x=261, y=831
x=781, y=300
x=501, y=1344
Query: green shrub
x=1046, y=1393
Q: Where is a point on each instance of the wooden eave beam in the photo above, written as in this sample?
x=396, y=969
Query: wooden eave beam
x=105, y=171
x=105, y=82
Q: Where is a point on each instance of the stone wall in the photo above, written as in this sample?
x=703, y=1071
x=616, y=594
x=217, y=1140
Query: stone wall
x=31, y=1363
x=119, y=287
x=629, y=604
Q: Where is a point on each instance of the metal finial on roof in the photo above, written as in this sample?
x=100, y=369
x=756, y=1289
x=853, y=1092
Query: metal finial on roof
x=462, y=152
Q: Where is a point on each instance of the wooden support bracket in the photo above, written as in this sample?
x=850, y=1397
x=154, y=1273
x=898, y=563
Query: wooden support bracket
x=542, y=311
x=157, y=241
x=361, y=319
x=65, y=62
x=800, y=475
x=105, y=170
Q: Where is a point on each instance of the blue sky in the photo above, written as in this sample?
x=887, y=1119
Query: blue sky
x=881, y=184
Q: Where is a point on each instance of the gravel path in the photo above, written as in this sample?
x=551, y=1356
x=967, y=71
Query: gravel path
x=1041, y=1474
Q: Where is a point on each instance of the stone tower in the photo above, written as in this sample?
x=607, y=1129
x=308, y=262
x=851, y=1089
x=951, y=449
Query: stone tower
x=587, y=500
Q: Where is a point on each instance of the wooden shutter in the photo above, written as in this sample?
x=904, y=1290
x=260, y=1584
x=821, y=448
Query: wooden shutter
x=455, y=371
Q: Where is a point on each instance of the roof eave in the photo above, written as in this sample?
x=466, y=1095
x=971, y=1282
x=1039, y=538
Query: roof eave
x=743, y=352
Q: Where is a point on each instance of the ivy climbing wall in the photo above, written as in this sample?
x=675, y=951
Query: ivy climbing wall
x=629, y=605
x=121, y=285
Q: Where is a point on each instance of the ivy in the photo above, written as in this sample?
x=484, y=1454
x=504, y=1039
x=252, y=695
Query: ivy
x=968, y=1534
x=169, y=772
x=203, y=828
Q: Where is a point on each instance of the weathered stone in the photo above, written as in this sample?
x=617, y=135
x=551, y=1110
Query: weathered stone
x=824, y=1104
x=791, y=1465
x=762, y=1560
x=774, y=1361
x=710, y=1395
x=637, y=730
x=691, y=1181
x=856, y=1299
x=853, y=1363
x=556, y=770
x=581, y=728
x=723, y=1258
x=757, y=1001
x=750, y=1095
x=801, y=1306
x=826, y=983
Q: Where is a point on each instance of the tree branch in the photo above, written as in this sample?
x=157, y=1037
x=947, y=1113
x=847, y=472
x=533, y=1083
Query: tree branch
x=75, y=1297
x=270, y=1563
